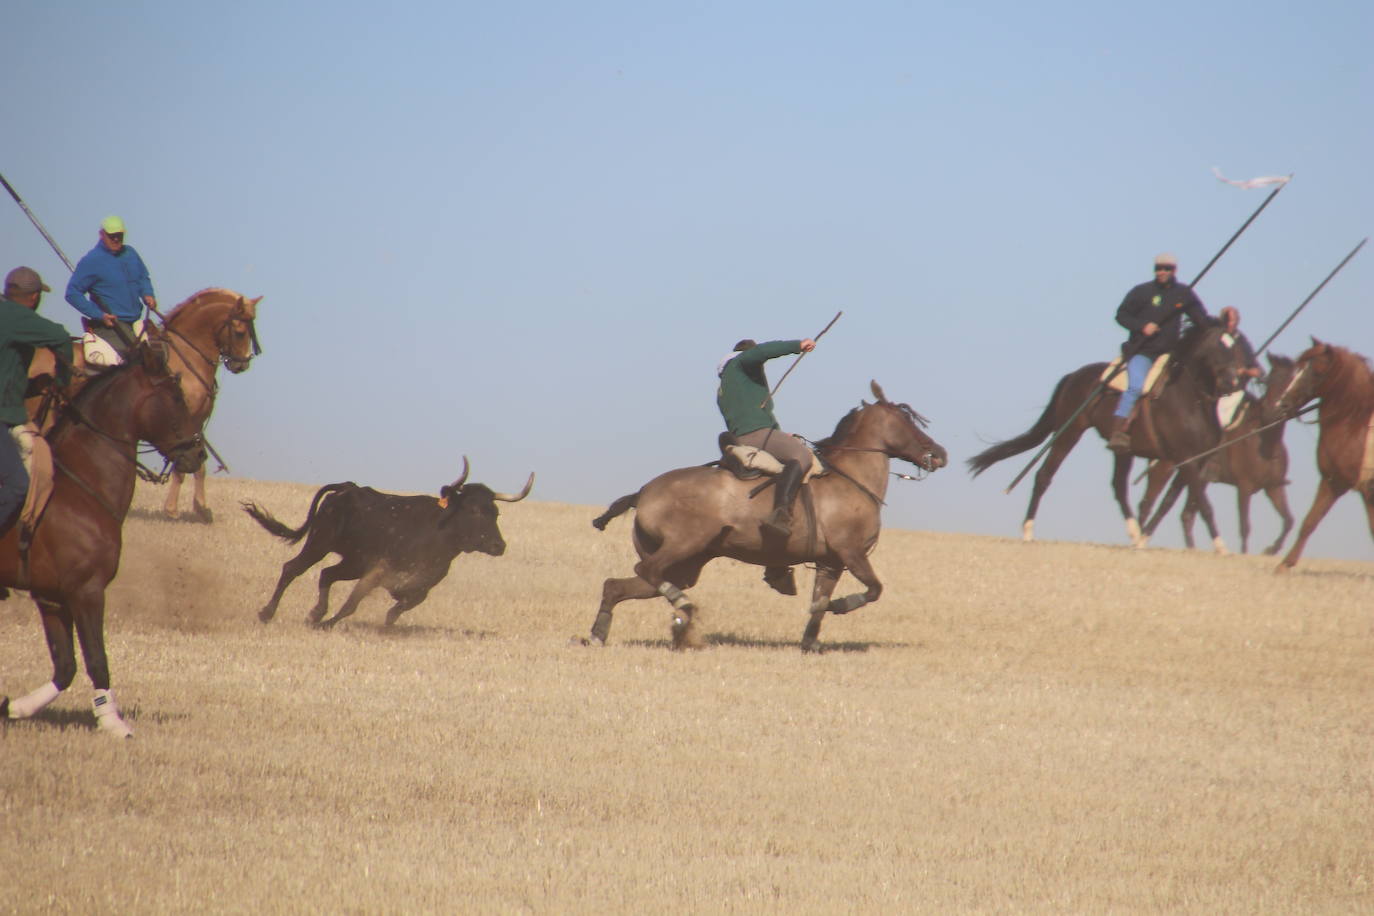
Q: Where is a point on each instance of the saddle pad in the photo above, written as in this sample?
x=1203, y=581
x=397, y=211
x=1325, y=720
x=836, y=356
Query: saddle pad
x=99, y=353
x=1231, y=409
x=1118, y=382
x=756, y=459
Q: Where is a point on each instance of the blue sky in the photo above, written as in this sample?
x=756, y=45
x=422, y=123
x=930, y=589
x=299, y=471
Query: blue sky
x=526, y=232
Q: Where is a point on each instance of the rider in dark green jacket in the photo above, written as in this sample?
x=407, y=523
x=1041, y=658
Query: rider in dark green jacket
x=21, y=330
x=747, y=407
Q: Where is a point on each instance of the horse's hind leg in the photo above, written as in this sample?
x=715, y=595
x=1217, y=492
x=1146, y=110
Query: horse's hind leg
x=1045, y=475
x=57, y=629
x=680, y=576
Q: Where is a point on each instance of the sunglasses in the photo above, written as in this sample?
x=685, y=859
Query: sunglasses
x=115, y=236
x=1168, y=267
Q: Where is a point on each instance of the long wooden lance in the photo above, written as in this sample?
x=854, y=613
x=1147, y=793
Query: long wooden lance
x=1126, y=357
x=799, y=359
x=1286, y=323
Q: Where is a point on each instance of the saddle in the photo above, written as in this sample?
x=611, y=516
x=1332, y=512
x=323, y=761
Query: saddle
x=96, y=353
x=749, y=463
x=1153, y=387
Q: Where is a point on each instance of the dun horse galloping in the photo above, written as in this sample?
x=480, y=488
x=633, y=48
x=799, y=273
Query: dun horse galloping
x=1178, y=424
x=76, y=545
x=1345, y=441
x=689, y=516
x=213, y=326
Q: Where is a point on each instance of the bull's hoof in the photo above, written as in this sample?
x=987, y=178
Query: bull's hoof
x=265, y=615
x=812, y=648
x=593, y=641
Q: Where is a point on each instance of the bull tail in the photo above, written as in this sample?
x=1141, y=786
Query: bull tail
x=292, y=535
x=1024, y=442
x=619, y=507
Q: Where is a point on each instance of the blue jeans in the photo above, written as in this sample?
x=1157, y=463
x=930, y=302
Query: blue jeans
x=14, y=480
x=1137, y=368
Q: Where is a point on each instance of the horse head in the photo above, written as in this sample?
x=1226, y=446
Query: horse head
x=161, y=417
x=1308, y=371
x=1212, y=356
x=900, y=429
x=237, y=338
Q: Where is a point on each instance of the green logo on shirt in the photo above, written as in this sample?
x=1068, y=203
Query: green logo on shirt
x=1156, y=300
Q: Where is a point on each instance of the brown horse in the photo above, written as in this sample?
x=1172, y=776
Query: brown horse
x=1257, y=462
x=213, y=326
x=689, y=516
x=1345, y=461
x=1178, y=424
x=76, y=546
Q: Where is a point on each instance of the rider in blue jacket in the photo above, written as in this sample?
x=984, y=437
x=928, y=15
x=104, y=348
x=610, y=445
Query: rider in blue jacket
x=110, y=286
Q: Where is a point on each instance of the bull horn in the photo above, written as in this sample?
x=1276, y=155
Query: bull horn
x=877, y=391
x=463, y=479
x=508, y=498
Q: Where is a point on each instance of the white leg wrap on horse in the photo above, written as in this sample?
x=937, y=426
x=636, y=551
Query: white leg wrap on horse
x=30, y=703
x=107, y=715
x=1220, y=546
x=1133, y=531
x=1028, y=530
x=675, y=595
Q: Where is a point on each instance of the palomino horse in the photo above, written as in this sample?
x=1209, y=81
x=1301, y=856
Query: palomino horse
x=1178, y=424
x=213, y=326
x=1345, y=456
x=1256, y=462
x=76, y=546
x=690, y=516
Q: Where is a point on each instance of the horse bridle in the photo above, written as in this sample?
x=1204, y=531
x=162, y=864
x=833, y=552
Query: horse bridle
x=221, y=338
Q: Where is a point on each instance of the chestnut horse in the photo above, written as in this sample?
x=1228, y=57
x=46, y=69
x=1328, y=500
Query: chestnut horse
x=1257, y=462
x=689, y=516
x=1345, y=459
x=76, y=545
x=213, y=326
x=1178, y=424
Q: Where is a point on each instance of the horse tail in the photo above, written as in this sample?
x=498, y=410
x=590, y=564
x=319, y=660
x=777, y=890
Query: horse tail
x=292, y=535
x=619, y=507
x=1024, y=442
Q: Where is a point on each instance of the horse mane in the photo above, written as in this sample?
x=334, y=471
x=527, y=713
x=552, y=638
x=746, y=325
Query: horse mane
x=846, y=424
x=89, y=391
x=195, y=297
x=1351, y=379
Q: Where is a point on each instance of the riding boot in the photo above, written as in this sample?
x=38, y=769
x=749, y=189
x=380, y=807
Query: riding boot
x=781, y=579
x=1120, y=439
x=784, y=490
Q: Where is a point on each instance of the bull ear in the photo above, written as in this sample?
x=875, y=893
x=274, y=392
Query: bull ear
x=508, y=498
x=877, y=392
x=457, y=484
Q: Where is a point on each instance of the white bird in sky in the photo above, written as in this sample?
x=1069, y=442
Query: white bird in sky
x=1253, y=182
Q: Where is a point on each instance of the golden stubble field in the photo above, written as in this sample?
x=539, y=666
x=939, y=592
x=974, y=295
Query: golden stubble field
x=1049, y=727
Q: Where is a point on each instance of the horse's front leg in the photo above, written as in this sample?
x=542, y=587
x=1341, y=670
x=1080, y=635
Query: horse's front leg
x=199, y=504
x=820, y=604
x=88, y=612
x=1197, y=494
x=169, y=505
x=57, y=629
x=1327, y=494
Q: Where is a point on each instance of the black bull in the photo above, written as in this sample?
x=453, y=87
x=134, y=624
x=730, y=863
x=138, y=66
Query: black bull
x=404, y=544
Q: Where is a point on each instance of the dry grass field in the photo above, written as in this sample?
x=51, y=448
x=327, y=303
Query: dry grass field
x=1044, y=727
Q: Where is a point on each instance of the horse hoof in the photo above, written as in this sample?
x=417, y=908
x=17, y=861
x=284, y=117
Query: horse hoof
x=4, y=709
x=583, y=641
x=171, y=514
x=204, y=514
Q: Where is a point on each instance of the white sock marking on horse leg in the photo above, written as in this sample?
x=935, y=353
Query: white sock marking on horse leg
x=1133, y=530
x=32, y=702
x=1028, y=530
x=1220, y=546
x=107, y=715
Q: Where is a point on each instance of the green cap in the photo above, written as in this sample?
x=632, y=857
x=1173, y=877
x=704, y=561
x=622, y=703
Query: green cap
x=111, y=224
